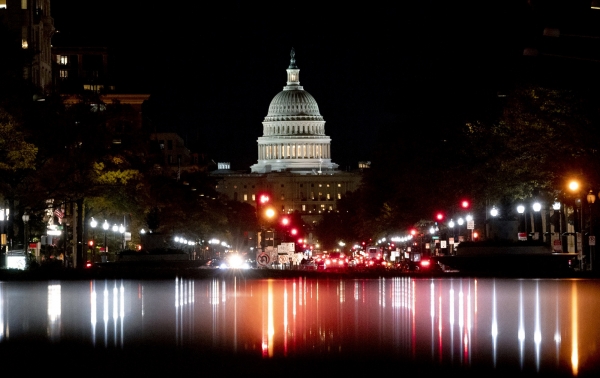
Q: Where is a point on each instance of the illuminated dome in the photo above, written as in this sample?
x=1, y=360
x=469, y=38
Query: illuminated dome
x=294, y=132
x=293, y=104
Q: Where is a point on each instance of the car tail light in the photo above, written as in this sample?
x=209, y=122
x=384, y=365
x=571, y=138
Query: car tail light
x=425, y=263
x=328, y=262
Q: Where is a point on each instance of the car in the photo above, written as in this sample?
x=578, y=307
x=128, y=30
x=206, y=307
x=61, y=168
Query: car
x=336, y=261
x=308, y=264
x=375, y=263
x=422, y=265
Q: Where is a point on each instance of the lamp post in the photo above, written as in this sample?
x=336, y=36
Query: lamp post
x=93, y=225
x=460, y=222
x=122, y=231
x=574, y=187
x=105, y=228
x=537, y=207
x=591, y=198
x=25, y=231
x=521, y=210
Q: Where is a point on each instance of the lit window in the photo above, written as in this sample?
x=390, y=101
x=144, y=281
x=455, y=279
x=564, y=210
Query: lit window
x=328, y=185
x=330, y=207
x=63, y=59
x=64, y=74
x=303, y=207
x=339, y=185
x=339, y=196
x=245, y=197
x=23, y=4
x=254, y=197
x=328, y=196
x=320, y=185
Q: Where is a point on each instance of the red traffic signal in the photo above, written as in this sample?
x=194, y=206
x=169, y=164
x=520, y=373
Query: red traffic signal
x=465, y=204
x=293, y=231
x=439, y=216
x=413, y=232
x=285, y=221
x=91, y=243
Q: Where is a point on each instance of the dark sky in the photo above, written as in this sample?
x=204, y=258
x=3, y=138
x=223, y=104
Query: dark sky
x=212, y=68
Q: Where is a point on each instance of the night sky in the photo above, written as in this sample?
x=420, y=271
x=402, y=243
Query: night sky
x=212, y=68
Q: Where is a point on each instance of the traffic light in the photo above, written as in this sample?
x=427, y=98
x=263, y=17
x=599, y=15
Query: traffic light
x=91, y=243
x=413, y=232
x=439, y=216
x=294, y=231
x=264, y=198
x=285, y=221
x=465, y=204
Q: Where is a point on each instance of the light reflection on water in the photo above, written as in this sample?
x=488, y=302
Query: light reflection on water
x=532, y=325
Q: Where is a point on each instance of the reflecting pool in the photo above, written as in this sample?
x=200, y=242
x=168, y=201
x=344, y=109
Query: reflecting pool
x=540, y=327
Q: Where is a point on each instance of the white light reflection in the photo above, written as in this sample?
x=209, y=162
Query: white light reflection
x=54, y=304
x=521, y=332
x=2, y=321
x=494, y=323
x=105, y=313
x=451, y=320
x=537, y=335
x=93, y=309
x=115, y=311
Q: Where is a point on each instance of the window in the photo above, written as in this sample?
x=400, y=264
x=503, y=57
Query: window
x=282, y=185
x=282, y=208
x=303, y=207
x=170, y=159
x=328, y=185
x=330, y=207
x=63, y=74
x=320, y=185
x=339, y=185
x=235, y=187
x=254, y=197
x=169, y=145
x=312, y=196
x=245, y=197
x=339, y=196
x=62, y=59
x=245, y=186
x=235, y=196
x=301, y=185
x=328, y=196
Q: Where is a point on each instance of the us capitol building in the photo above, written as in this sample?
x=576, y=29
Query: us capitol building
x=294, y=159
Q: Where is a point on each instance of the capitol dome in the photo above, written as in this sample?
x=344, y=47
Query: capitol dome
x=296, y=104
x=294, y=132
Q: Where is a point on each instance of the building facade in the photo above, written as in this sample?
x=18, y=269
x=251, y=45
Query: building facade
x=31, y=25
x=294, y=159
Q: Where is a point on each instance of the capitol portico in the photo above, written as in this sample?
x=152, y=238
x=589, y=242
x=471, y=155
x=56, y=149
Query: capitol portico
x=294, y=158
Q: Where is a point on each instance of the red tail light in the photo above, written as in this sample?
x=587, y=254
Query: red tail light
x=425, y=263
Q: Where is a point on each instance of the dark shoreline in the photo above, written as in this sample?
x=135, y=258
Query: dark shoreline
x=193, y=270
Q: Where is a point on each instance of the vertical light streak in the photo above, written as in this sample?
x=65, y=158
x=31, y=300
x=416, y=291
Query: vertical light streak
x=2, y=321
x=494, y=324
x=432, y=316
x=285, y=318
x=177, y=305
x=574, y=330
x=440, y=328
x=413, y=319
x=115, y=311
x=521, y=332
x=451, y=320
x=93, y=309
x=537, y=334
x=235, y=298
x=105, y=313
x=557, y=336
x=122, y=311
x=270, y=319
x=54, y=304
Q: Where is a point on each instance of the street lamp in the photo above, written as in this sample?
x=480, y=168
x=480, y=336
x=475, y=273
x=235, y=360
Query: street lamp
x=521, y=210
x=591, y=198
x=494, y=211
x=93, y=225
x=105, y=228
x=25, y=249
x=460, y=222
